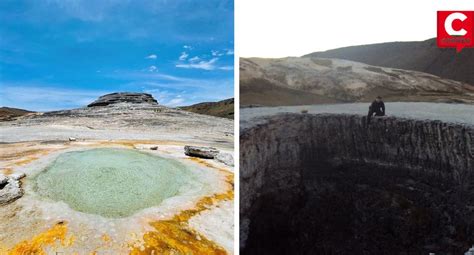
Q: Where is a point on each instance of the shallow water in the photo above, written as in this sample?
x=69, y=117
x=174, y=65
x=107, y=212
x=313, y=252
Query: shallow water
x=112, y=182
x=456, y=113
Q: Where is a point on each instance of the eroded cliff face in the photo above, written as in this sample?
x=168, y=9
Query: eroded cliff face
x=124, y=97
x=315, y=182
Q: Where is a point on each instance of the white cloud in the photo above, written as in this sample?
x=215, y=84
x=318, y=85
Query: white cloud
x=226, y=68
x=230, y=52
x=183, y=56
x=135, y=75
x=188, y=91
x=194, y=59
x=152, y=56
x=152, y=69
x=216, y=53
x=205, y=65
x=175, y=101
x=187, y=47
x=166, y=97
x=41, y=97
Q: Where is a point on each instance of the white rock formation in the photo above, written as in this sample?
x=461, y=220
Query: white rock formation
x=10, y=189
x=470, y=251
x=225, y=158
x=201, y=152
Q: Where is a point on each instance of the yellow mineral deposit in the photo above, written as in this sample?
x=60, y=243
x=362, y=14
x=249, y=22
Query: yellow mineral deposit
x=50, y=238
x=7, y=170
x=175, y=237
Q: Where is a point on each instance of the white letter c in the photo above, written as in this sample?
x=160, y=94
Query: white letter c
x=448, y=24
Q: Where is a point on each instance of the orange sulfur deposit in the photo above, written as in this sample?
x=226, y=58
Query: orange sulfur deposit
x=52, y=237
x=175, y=237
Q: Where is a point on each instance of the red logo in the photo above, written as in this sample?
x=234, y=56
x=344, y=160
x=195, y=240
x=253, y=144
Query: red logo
x=455, y=29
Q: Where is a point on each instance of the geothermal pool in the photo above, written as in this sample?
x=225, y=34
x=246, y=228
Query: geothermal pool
x=112, y=182
x=116, y=197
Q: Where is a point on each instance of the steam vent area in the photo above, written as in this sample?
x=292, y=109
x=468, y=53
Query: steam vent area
x=123, y=175
x=319, y=180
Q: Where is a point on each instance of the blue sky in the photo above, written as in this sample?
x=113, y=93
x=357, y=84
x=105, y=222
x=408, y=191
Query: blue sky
x=60, y=54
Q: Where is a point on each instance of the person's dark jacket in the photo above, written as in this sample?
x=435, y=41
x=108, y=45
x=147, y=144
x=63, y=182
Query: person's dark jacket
x=378, y=108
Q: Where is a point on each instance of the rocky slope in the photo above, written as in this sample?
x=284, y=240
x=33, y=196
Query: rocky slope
x=8, y=113
x=124, y=97
x=120, y=116
x=223, y=109
x=330, y=184
x=423, y=56
x=297, y=81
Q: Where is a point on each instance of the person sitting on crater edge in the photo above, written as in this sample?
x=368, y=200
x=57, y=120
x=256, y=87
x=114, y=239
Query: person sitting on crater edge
x=377, y=107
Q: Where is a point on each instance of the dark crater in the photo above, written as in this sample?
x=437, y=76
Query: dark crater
x=328, y=184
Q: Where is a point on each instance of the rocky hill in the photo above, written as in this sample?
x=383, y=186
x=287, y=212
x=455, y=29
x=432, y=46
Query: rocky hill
x=422, y=56
x=310, y=80
x=123, y=97
x=223, y=109
x=119, y=115
x=7, y=113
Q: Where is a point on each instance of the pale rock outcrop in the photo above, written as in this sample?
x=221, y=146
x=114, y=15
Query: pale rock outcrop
x=225, y=158
x=3, y=179
x=17, y=176
x=10, y=189
x=200, y=151
x=124, y=97
x=470, y=251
